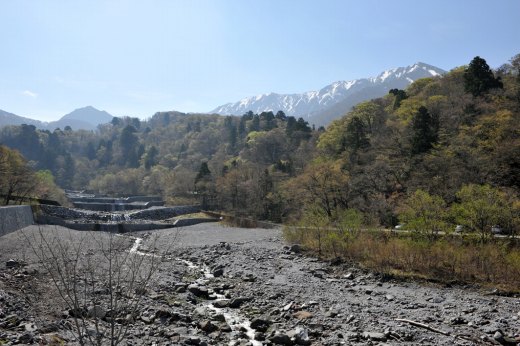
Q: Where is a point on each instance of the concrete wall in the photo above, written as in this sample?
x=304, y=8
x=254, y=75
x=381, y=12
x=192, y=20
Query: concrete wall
x=13, y=218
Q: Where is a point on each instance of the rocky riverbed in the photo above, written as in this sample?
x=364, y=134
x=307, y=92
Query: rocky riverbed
x=229, y=286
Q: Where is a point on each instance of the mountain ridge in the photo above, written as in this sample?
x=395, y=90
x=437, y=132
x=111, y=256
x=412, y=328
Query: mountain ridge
x=84, y=118
x=332, y=101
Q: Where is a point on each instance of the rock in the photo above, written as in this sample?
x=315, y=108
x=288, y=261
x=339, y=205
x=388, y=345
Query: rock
x=302, y=315
x=200, y=311
x=219, y=318
x=237, y=302
x=374, y=336
x=349, y=276
x=260, y=324
x=207, y=326
x=389, y=297
x=192, y=340
x=438, y=300
x=281, y=339
x=77, y=312
x=26, y=338
x=300, y=336
x=458, y=320
x=163, y=314
x=288, y=306
x=180, y=287
x=147, y=319
x=13, y=264
x=331, y=313
x=296, y=248
x=218, y=272
x=221, y=304
x=30, y=327
x=249, y=278
x=96, y=311
x=225, y=328
x=198, y=291
x=259, y=336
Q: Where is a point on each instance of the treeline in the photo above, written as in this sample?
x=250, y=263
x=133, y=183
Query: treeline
x=439, y=136
x=232, y=163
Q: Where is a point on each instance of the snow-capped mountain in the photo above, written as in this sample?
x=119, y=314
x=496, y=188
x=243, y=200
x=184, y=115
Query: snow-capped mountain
x=333, y=101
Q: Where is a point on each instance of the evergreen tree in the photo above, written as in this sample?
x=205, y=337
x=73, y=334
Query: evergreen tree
x=128, y=142
x=425, y=131
x=150, y=157
x=203, y=172
x=478, y=77
x=356, y=135
x=400, y=95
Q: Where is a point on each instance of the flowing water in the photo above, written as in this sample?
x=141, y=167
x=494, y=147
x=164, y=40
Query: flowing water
x=233, y=319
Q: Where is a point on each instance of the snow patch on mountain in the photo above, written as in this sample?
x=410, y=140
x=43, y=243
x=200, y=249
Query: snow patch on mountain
x=310, y=103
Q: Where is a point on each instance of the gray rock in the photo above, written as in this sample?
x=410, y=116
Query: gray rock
x=207, y=326
x=374, y=336
x=349, y=276
x=221, y=304
x=96, y=311
x=198, y=291
x=237, y=302
x=30, y=327
x=281, y=339
x=259, y=336
x=11, y=263
x=163, y=314
x=300, y=336
x=26, y=338
x=260, y=324
x=296, y=248
x=218, y=272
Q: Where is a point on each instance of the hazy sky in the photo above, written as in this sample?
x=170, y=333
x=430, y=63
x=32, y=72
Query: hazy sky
x=138, y=57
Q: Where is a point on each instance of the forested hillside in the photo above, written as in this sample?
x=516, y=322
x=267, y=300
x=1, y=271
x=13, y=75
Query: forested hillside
x=439, y=136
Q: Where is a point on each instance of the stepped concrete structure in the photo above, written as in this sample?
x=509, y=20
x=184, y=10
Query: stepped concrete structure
x=111, y=204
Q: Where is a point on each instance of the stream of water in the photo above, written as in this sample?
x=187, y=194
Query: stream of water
x=233, y=319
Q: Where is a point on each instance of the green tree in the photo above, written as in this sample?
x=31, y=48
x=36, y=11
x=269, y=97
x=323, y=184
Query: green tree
x=16, y=178
x=129, y=145
x=356, y=135
x=400, y=95
x=478, y=77
x=424, y=214
x=204, y=172
x=425, y=131
x=150, y=157
x=480, y=207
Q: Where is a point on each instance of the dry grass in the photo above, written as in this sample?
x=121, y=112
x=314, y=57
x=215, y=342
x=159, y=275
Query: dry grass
x=496, y=262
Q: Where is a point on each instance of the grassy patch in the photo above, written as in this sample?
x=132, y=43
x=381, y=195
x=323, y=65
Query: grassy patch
x=445, y=259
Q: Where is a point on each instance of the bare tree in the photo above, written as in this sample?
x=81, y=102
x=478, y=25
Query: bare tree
x=99, y=276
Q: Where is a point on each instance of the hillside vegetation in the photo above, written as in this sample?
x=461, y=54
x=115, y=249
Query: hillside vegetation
x=445, y=152
x=440, y=136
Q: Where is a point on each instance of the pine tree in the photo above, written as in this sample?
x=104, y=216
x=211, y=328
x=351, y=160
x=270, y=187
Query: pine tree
x=425, y=131
x=478, y=77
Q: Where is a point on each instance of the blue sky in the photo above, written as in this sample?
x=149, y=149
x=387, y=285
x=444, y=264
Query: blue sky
x=138, y=57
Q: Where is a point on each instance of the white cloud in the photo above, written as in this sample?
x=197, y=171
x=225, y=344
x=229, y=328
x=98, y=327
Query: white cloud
x=29, y=93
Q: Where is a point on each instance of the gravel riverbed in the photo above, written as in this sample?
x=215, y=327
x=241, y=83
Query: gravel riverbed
x=218, y=285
